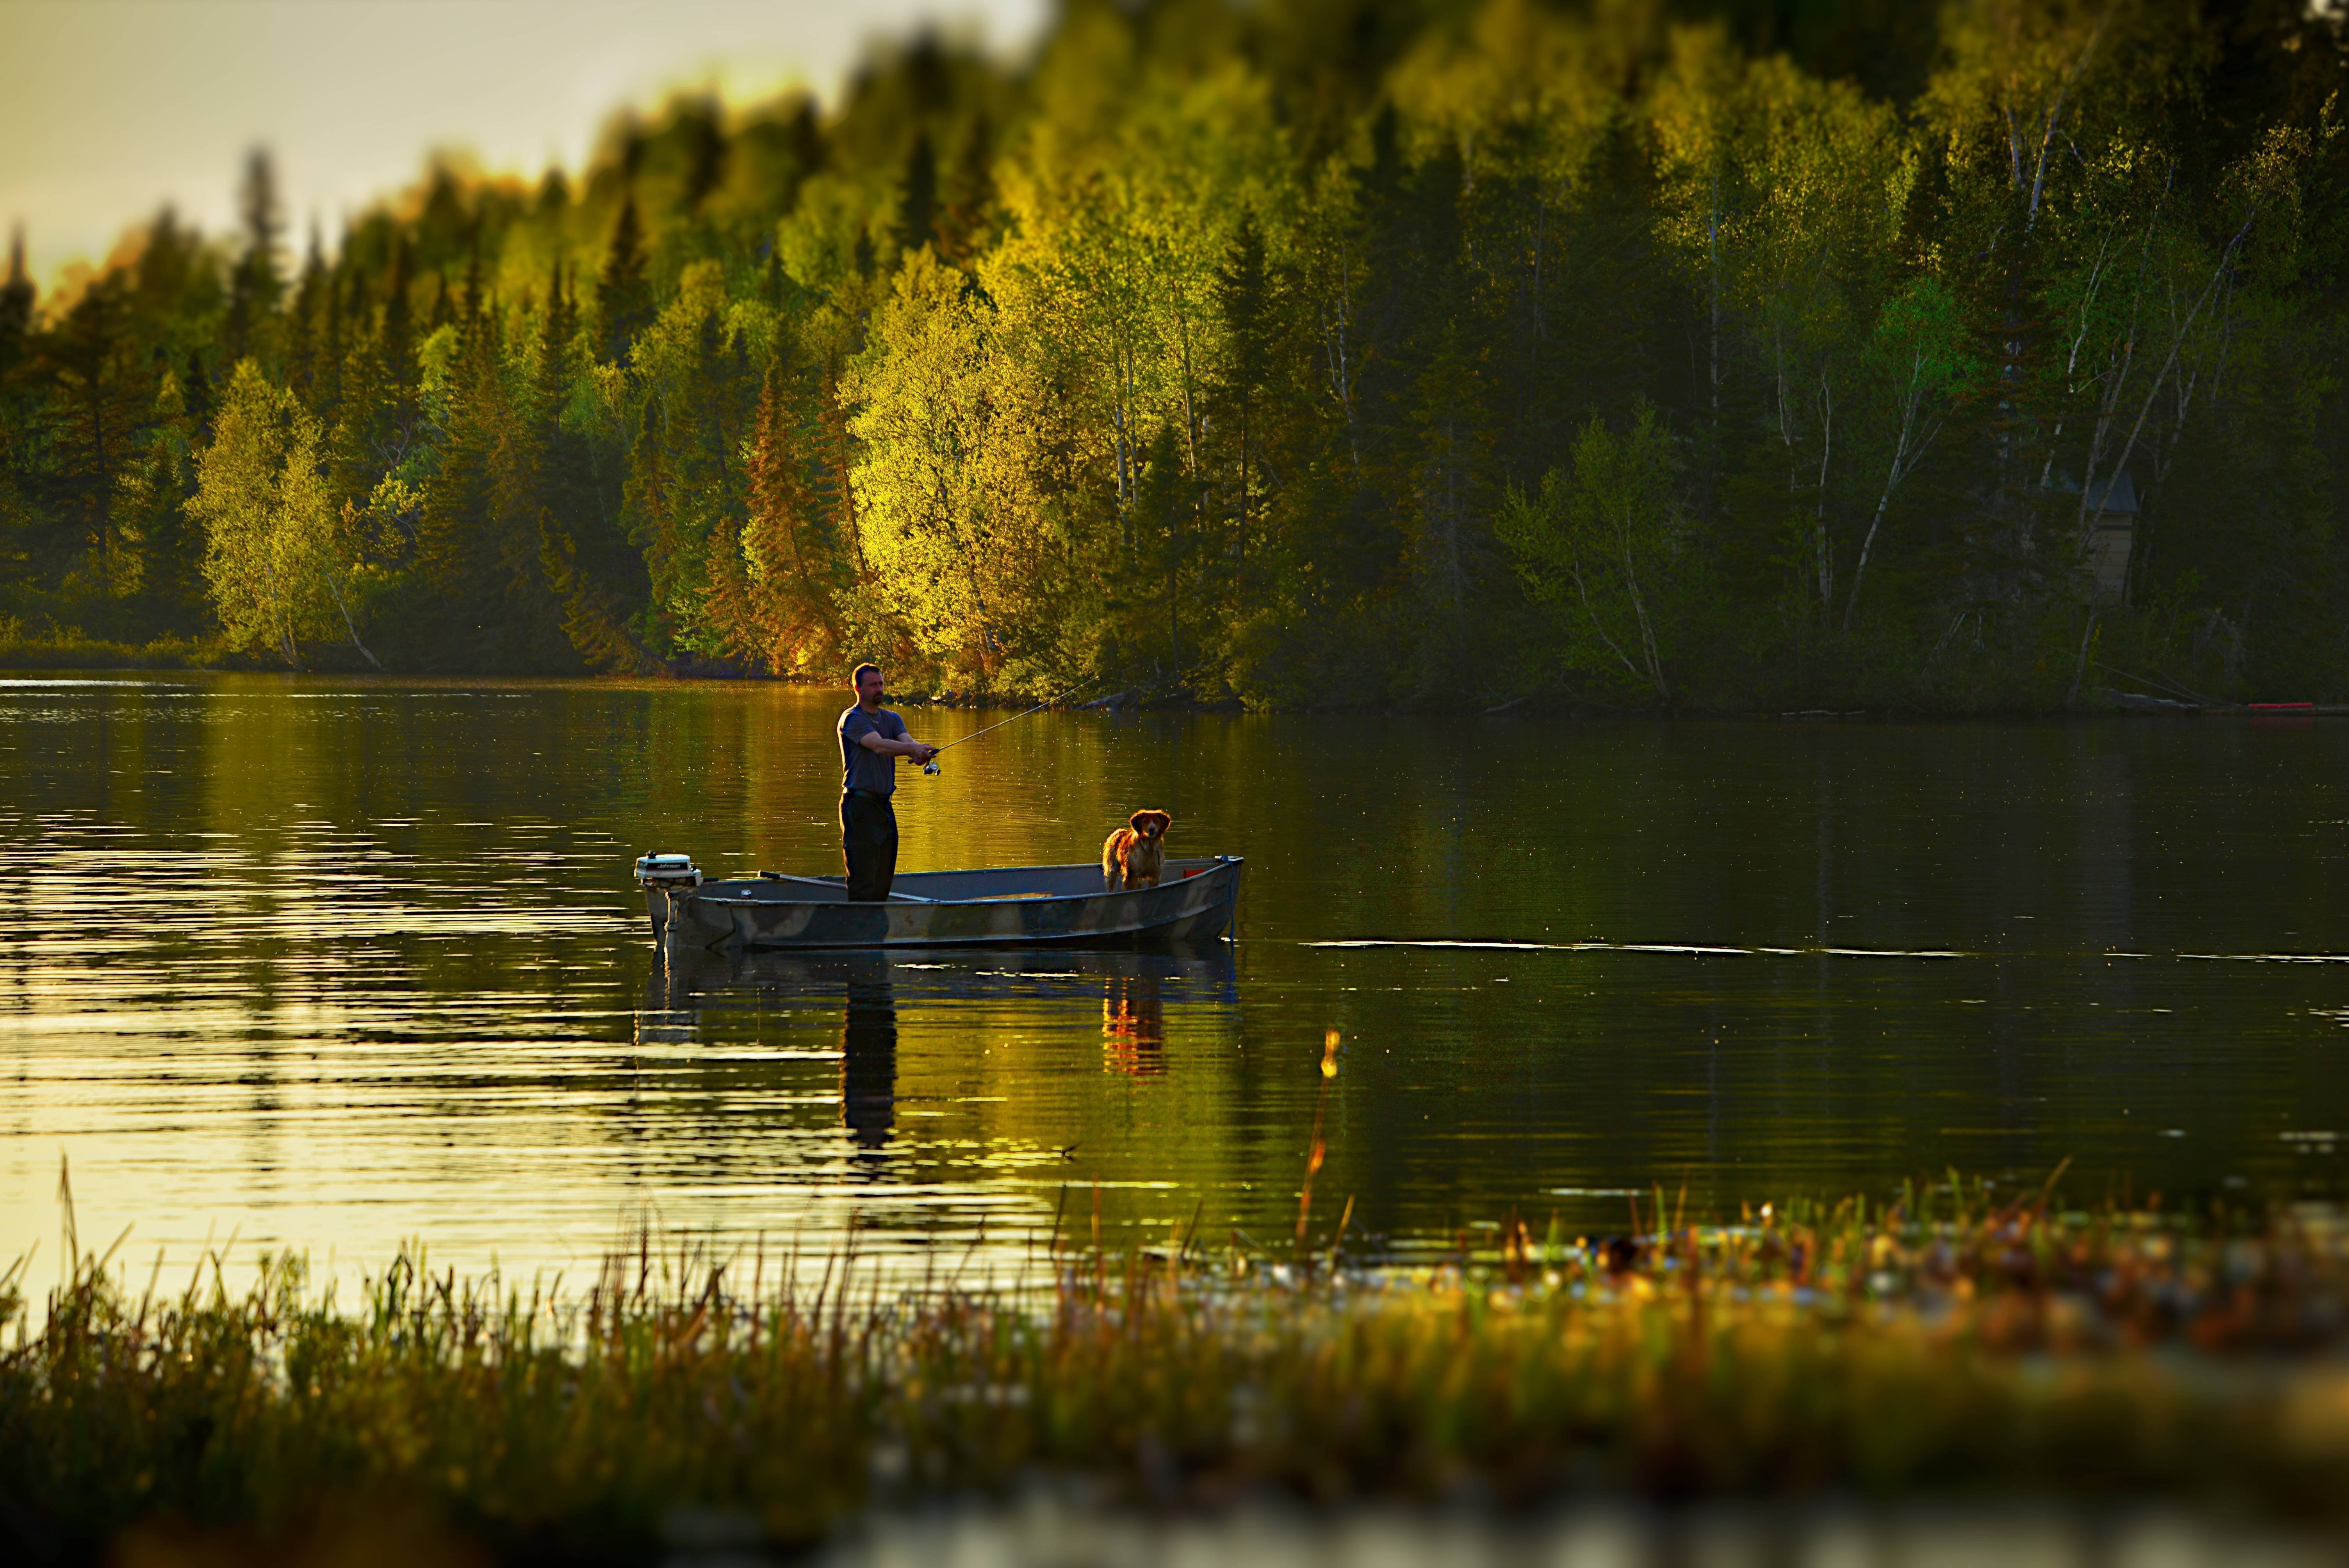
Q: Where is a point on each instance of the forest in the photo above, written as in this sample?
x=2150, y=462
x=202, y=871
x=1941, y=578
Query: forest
x=1629, y=354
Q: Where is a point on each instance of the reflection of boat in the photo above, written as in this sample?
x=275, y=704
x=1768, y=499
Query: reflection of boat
x=1007, y=906
x=687, y=979
x=1143, y=997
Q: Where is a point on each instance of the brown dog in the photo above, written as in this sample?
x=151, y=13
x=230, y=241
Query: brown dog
x=1136, y=853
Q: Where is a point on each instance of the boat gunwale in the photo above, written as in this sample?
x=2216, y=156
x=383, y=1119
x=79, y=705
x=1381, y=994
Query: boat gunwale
x=1213, y=863
x=1106, y=939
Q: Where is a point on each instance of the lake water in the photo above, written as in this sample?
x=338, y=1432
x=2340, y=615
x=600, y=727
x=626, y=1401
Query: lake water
x=324, y=965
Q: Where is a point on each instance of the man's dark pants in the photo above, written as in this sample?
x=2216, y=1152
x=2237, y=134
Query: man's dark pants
x=868, y=835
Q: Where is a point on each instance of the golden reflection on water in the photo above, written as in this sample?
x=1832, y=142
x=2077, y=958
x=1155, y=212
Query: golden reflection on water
x=325, y=965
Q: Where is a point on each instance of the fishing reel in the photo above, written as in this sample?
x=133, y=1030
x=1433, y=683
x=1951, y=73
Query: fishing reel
x=931, y=768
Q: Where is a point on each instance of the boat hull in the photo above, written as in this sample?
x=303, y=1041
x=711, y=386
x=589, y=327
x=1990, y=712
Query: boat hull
x=1012, y=906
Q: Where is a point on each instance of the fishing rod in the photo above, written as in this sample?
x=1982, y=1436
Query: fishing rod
x=932, y=766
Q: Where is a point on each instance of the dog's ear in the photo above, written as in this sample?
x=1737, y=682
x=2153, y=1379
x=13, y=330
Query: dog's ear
x=1135, y=821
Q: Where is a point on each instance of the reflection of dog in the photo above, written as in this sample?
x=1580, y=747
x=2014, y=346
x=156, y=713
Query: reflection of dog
x=1136, y=853
x=1134, y=1026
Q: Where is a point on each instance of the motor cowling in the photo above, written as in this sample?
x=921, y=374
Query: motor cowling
x=667, y=872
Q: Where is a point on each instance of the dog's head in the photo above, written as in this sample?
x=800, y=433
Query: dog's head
x=1152, y=825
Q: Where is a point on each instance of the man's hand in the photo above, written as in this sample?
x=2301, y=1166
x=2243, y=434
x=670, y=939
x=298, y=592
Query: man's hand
x=921, y=753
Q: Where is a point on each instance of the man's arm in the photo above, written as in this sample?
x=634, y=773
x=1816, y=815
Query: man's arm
x=873, y=740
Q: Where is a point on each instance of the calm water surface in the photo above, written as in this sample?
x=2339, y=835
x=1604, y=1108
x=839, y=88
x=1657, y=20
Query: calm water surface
x=326, y=965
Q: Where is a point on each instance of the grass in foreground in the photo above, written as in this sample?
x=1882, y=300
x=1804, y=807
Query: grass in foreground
x=1942, y=1343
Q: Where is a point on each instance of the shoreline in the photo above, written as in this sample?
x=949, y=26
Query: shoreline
x=1548, y=707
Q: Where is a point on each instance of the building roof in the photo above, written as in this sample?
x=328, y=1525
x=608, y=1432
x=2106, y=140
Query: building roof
x=2114, y=497
x=2116, y=494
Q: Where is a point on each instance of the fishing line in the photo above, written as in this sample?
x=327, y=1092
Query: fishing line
x=932, y=766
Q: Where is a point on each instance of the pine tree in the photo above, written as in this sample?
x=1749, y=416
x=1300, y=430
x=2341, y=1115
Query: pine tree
x=170, y=545
x=376, y=430
x=457, y=611
x=1161, y=578
x=21, y=507
x=706, y=156
x=327, y=388
x=473, y=301
x=306, y=351
x=396, y=337
x=965, y=220
x=523, y=473
x=1450, y=497
x=809, y=153
x=795, y=572
x=685, y=470
x=99, y=398
x=15, y=306
x=255, y=286
x=656, y=500
x=623, y=304
x=595, y=574
x=563, y=491
x=551, y=367
x=1233, y=372
x=480, y=535
x=196, y=398
x=172, y=281
x=918, y=202
x=727, y=607
x=553, y=199
x=1244, y=293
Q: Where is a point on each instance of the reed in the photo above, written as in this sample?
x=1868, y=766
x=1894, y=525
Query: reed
x=1941, y=1340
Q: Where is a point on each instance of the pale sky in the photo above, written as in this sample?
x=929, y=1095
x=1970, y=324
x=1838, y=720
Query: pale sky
x=109, y=109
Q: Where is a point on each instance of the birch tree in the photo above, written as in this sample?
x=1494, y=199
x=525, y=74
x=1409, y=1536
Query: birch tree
x=1604, y=544
x=280, y=554
x=1782, y=195
x=1918, y=353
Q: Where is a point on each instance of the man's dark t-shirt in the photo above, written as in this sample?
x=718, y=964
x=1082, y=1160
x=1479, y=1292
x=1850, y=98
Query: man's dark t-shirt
x=863, y=769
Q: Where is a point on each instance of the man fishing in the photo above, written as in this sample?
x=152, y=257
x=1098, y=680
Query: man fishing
x=871, y=740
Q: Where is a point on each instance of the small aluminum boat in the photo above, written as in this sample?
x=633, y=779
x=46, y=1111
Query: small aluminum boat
x=1010, y=906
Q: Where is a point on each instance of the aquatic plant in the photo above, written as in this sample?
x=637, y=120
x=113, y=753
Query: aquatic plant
x=1940, y=1341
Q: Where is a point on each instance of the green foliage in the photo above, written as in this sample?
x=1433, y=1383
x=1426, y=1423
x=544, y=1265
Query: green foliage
x=1204, y=354
x=1606, y=544
x=785, y=598
x=279, y=553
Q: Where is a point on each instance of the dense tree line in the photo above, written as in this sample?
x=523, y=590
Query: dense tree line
x=1306, y=351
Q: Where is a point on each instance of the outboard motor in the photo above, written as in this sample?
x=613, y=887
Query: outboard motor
x=666, y=871
x=660, y=875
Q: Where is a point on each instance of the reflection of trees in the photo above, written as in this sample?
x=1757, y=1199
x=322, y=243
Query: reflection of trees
x=1134, y=1026
x=868, y=1059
